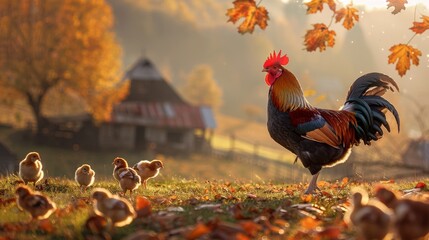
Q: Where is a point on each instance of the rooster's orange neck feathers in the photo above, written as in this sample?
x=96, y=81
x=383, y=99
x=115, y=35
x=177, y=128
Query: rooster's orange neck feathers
x=286, y=93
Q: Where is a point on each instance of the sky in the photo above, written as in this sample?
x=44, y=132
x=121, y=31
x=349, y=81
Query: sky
x=178, y=35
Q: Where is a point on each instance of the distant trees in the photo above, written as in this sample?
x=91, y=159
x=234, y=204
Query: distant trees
x=46, y=45
x=201, y=88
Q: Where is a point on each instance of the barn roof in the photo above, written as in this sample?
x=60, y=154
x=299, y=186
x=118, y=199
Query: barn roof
x=148, y=85
x=144, y=70
x=152, y=101
x=164, y=114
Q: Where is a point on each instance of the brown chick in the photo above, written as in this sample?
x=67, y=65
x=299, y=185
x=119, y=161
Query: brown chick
x=38, y=205
x=148, y=169
x=118, y=210
x=370, y=217
x=84, y=176
x=30, y=169
x=411, y=217
x=129, y=180
x=118, y=163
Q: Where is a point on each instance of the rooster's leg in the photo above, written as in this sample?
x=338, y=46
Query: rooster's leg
x=313, y=184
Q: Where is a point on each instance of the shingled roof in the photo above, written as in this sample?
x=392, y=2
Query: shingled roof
x=148, y=85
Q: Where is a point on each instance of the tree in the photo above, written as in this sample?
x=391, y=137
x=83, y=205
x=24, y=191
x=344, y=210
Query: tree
x=48, y=43
x=201, y=88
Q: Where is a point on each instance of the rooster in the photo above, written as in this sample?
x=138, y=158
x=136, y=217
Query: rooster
x=320, y=137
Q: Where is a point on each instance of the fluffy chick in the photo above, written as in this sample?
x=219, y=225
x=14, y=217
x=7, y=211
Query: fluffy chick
x=370, y=217
x=38, y=205
x=84, y=176
x=129, y=180
x=411, y=217
x=30, y=169
x=118, y=163
x=118, y=210
x=148, y=169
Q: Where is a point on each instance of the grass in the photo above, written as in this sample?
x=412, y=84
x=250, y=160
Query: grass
x=245, y=208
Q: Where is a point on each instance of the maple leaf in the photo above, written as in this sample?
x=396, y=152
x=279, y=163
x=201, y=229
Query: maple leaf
x=252, y=14
x=421, y=27
x=404, y=55
x=317, y=5
x=349, y=14
x=397, y=4
x=319, y=37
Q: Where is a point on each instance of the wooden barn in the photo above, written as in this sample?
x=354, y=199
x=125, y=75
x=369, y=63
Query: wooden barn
x=154, y=116
x=417, y=153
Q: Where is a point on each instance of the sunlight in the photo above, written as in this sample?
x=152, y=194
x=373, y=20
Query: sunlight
x=372, y=4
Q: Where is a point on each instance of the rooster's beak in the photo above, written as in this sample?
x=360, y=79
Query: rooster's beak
x=264, y=70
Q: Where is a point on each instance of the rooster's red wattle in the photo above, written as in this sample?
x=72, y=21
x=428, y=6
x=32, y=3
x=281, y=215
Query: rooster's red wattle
x=322, y=137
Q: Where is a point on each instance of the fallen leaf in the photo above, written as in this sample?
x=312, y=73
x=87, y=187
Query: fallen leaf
x=421, y=27
x=142, y=202
x=250, y=227
x=199, y=230
x=397, y=4
x=420, y=185
x=143, y=207
x=350, y=15
x=345, y=181
x=252, y=14
x=317, y=5
x=404, y=55
x=319, y=37
x=309, y=223
x=306, y=198
x=46, y=226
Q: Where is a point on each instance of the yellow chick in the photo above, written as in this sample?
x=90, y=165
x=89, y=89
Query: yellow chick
x=118, y=210
x=148, y=169
x=129, y=180
x=411, y=217
x=38, y=205
x=371, y=218
x=30, y=169
x=84, y=176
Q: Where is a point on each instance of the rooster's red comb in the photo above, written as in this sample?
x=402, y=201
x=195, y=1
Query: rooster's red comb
x=273, y=59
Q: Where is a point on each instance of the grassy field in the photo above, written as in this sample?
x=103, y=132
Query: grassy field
x=191, y=209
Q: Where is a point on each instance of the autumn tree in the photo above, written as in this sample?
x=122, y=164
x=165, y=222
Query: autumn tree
x=48, y=43
x=201, y=88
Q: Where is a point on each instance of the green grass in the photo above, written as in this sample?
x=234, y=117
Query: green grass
x=268, y=205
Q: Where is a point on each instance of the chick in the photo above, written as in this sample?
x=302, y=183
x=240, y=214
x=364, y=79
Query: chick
x=411, y=217
x=148, y=169
x=38, y=205
x=129, y=180
x=84, y=176
x=118, y=210
x=30, y=169
x=370, y=217
x=118, y=163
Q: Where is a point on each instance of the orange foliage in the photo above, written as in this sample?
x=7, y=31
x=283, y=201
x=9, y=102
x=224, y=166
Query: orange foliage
x=319, y=37
x=349, y=14
x=317, y=5
x=404, y=55
x=421, y=27
x=397, y=4
x=252, y=14
x=68, y=43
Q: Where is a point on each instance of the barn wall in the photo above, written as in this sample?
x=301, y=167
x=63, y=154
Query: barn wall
x=117, y=136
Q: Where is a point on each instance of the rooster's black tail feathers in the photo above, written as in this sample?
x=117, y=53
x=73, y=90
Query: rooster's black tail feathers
x=365, y=100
